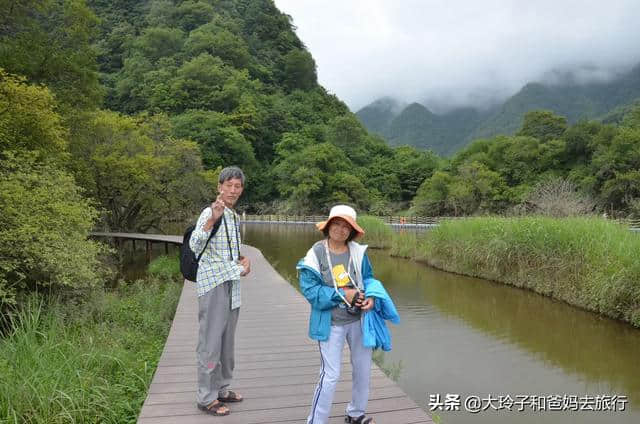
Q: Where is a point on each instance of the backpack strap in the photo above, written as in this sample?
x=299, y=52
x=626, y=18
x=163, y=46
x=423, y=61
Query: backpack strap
x=214, y=230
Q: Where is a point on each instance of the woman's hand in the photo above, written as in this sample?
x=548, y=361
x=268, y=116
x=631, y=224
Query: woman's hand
x=349, y=294
x=368, y=303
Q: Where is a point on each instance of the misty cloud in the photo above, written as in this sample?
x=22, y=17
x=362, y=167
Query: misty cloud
x=446, y=53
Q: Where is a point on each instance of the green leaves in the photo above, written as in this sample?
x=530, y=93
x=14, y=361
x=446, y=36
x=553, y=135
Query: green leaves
x=221, y=143
x=157, y=42
x=299, y=70
x=543, y=125
x=49, y=43
x=139, y=173
x=44, y=222
x=28, y=121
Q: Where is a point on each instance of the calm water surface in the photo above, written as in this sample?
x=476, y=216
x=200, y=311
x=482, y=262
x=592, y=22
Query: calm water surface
x=471, y=337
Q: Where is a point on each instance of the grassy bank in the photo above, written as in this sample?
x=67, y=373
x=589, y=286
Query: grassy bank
x=91, y=361
x=587, y=262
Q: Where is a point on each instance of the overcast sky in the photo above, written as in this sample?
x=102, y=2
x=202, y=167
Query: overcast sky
x=459, y=52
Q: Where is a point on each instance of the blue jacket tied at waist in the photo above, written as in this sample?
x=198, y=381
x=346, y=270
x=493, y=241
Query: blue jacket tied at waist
x=374, y=329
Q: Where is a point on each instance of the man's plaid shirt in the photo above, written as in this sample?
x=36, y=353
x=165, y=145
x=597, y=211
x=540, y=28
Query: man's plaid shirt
x=216, y=265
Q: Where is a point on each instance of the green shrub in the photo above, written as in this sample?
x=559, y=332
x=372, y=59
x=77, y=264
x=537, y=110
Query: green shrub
x=165, y=268
x=44, y=223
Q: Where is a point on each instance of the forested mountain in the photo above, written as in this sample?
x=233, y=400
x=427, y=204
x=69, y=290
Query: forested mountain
x=228, y=78
x=378, y=115
x=447, y=133
x=431, y=131
x=119, y=114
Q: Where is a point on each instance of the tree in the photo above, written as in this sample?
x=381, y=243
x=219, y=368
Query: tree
x=161, y=13
x=205, y=82
x=220, y=141
x=190, y=14
x=219, y=42
x=484, y=190
x=44, y=216
x=28, y=120
x=141, y=176
x=411, y=167
x=579, y=142
x=349, y=135
x=616, y=168
x=558, y=197
x=49, y=43
x=431, y=198
x=632, y=119
x=303, y=177
x=347, y=188
x=158, y=42
x=44, y=223
x=543, y=125
x=299, y=70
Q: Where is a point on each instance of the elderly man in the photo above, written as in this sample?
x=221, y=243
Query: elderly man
x=218, y=286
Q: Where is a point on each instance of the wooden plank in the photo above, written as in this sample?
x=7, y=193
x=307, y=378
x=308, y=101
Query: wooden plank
x=257, y=393
x=276, y=364
x=250, y=391
x=279, y=408
x=253, y=381
x=392, y=410
x=239, y=373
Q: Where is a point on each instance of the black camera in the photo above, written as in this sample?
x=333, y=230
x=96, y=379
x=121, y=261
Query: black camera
x=355, y=307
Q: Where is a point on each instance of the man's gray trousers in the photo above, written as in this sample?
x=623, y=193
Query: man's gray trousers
x=215, y=342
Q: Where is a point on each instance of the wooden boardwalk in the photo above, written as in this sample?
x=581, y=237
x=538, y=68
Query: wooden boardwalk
x=276, y=363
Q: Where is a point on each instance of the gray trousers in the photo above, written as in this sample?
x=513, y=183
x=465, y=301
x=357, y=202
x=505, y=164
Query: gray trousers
x=216, y=340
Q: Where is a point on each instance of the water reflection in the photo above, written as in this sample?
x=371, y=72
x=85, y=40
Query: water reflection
x=468, y=336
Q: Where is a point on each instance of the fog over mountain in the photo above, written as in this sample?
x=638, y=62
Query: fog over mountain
x=446, y=54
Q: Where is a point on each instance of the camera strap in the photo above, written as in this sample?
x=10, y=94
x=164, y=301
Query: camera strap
x=333, y=279
x=226, y=231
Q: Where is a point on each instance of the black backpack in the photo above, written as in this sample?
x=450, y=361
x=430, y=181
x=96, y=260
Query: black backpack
x=188, y=260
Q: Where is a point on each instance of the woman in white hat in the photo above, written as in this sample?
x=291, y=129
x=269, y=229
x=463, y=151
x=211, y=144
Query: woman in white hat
x=333, y=277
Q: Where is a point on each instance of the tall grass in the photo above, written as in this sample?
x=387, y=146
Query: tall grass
x=587, y=262
x=404, y=244
x=87, y=362
x=377, y=233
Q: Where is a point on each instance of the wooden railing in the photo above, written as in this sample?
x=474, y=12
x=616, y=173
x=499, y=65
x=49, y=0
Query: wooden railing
x=148, y=240
x=630, y=222
x=395, y=220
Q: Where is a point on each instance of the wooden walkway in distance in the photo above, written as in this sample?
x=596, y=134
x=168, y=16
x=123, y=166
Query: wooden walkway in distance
x=276, y=366
x=149, y=239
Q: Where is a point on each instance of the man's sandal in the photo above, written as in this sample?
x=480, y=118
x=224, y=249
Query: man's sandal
x=215, y=408
x=230, y=396
x=362, y=419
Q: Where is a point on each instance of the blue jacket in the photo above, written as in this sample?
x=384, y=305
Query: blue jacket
x=323, y=298
x=374, y=329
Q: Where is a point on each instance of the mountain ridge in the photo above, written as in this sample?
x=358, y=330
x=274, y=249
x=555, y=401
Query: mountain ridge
x=448, y=132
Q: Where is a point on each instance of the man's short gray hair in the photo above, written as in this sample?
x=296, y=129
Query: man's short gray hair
x=230, y=173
